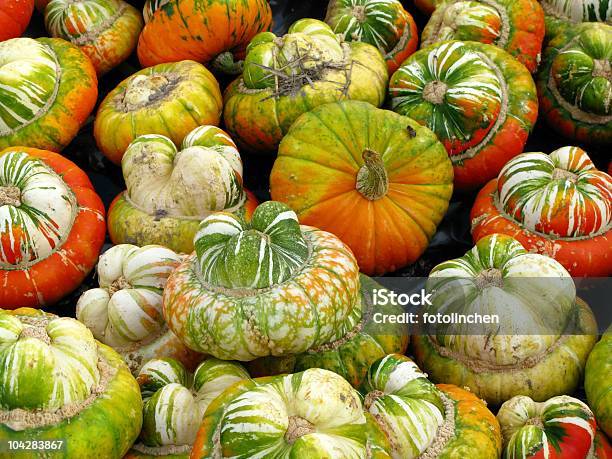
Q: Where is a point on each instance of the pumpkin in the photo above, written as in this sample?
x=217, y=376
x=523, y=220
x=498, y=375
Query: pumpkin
x=175, y=402
x=105, y=30
x=384, y=24
x=170, y=191
x=515, y=26
x=351, y=355
x=314, y=414
x=562, y=15
x=575, y=84
x=215, y=32
x=378, y=180
x=422, y=420
x=51, y=227
x=268, y=287
x=557, y=205
x=478, y=99
x=48, y=90
x=125, y=311
x=562, y=427
x=286, y=76
x=168, y=99
x=543, y=336
x=597, y=381
x=59, y=383
x=14, y=17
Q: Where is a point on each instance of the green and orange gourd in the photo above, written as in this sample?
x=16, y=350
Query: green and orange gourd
x=543, y=336
x=60, y=384
x=105, y=30
x=286, y=76
x=478, y=99
x=124, y=312
x=170, y=190
x=558, y=205
x=48, y=89
x=51, y=227
x=167, y=99
x=575, y=83
x=381, y=23
x=378, y=180
x=214, y=32
x=515, y=26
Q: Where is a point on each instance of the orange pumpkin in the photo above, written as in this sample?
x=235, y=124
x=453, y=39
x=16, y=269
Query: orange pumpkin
x=52, y=227
x=215, y=31
x=14, y=17
x=376, y=179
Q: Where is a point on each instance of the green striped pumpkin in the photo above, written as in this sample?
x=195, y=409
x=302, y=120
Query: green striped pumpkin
x=169, y=190
x=58, y=383
x=563, y=14
x=312, y=414
x=425, y=421
x=562, y=427
x=175, y=402
x=268, y=287
x=351, y=355
x=575, y=83
x=125, y=312
x=48, y=88
x=534, y=298
x=105, y=30
x=598, y=381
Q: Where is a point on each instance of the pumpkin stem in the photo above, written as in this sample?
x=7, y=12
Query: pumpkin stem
x=144, y=89
x=359, y=13
x=35, y=332
x=434, y=92
x=564, y=174
x=602, y=68
x=371, y=398
x=118, y=284
x=225, y=63
x=298, y=427
x=372, y=178
x=489, y=278
x=10, y=196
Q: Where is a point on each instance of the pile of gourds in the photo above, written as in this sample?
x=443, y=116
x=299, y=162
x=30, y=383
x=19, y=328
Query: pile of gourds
x=225, y=328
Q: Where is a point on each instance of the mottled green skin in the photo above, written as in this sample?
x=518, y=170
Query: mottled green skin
x=105, y=429
x=559, y=372
x=129, y=225
x=598, y=382
x=77, y=92
x=352, y=359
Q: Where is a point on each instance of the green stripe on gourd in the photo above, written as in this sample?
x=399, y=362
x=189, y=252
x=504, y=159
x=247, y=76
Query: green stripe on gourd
x=531, y=294
x=370, y=21
x=37, y=210
x=458, y=91
x=268, y=250
x=81, y=21
x=308, y=47
x=175, y=401
x=29, y=82
x=45, y=363
x=579, y=10
x=406, y=405
x=204, y=176
x=127, y=307
x=315, y=413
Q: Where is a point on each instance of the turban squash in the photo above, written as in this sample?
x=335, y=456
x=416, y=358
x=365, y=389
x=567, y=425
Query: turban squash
x=478, y=99
x=170, y=190
x=124, y=312
x=559, y=205
x=48, y=89
x=546, y=332
x=562, y=15
x=105, y=30
x=51, y=227
x=59, y=383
